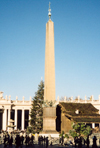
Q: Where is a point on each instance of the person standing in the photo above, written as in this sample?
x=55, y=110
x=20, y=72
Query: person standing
x=94, y=142
x=87, y=141
x=47, y=142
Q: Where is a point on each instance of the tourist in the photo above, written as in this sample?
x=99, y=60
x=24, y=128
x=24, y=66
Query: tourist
x=80, y=142
x=62, y=140
x=39, y=140
x=26, y=140
x=59, y=140
x=31, y=139
x=87, y=142
x=21, y=139
x=76, y=141
x=44, y=139
x=17, y=141
x=65, y=141
x=47, y=142
x=94, y=142
x=10, y=140
x=5, y=141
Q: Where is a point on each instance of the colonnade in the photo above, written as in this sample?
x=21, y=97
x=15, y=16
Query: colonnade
x=6, y=116
x=16, y=110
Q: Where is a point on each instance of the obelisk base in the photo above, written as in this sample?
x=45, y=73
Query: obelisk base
x=49, y=120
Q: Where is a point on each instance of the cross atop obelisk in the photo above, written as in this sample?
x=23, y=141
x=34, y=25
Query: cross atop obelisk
x=49, y=13
x=49, y=84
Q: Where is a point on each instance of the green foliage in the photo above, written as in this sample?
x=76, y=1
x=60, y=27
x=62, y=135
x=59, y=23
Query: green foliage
x=87, y=131
x=73, y=133
x=66, y=136
x=36, y=114
x=62, y=134
x=49, y=103
x=80, y=129
x=29, y=130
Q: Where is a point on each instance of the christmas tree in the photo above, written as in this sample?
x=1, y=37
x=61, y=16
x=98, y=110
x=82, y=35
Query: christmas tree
x=36, y=114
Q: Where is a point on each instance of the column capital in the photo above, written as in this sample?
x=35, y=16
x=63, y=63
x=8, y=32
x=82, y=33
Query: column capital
x=23, y=108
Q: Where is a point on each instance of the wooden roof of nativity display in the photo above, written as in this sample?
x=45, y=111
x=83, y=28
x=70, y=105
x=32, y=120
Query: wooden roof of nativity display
x=80, y=112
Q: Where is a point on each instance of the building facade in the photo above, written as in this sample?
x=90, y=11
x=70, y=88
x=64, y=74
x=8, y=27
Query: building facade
x=19, y=112
x=16, y=110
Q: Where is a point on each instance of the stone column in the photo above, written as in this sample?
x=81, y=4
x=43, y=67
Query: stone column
x=15, y=119
x=29, y=116
x=8, y=117
x=93, y=125
x=23, y=118
x=4, y=123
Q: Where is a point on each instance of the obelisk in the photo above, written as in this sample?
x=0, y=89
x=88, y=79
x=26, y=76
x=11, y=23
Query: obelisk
x=49, y=113
x=49, y=83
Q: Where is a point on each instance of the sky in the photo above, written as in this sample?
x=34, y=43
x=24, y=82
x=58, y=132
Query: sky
x=77, y=47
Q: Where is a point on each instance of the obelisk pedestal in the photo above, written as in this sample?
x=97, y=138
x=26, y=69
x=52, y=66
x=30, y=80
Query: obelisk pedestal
x=49, y=120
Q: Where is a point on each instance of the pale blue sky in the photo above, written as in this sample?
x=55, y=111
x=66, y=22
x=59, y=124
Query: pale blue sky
x=77, y=46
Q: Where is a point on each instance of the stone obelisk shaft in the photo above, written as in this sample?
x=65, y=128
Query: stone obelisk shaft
x=49, y=112
x=49, y=84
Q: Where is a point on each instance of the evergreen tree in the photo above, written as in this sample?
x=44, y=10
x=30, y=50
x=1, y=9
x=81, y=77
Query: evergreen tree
x=36, y=114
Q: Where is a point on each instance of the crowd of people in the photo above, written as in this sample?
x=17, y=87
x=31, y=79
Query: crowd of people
x=80, y=142
x=20, y=139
